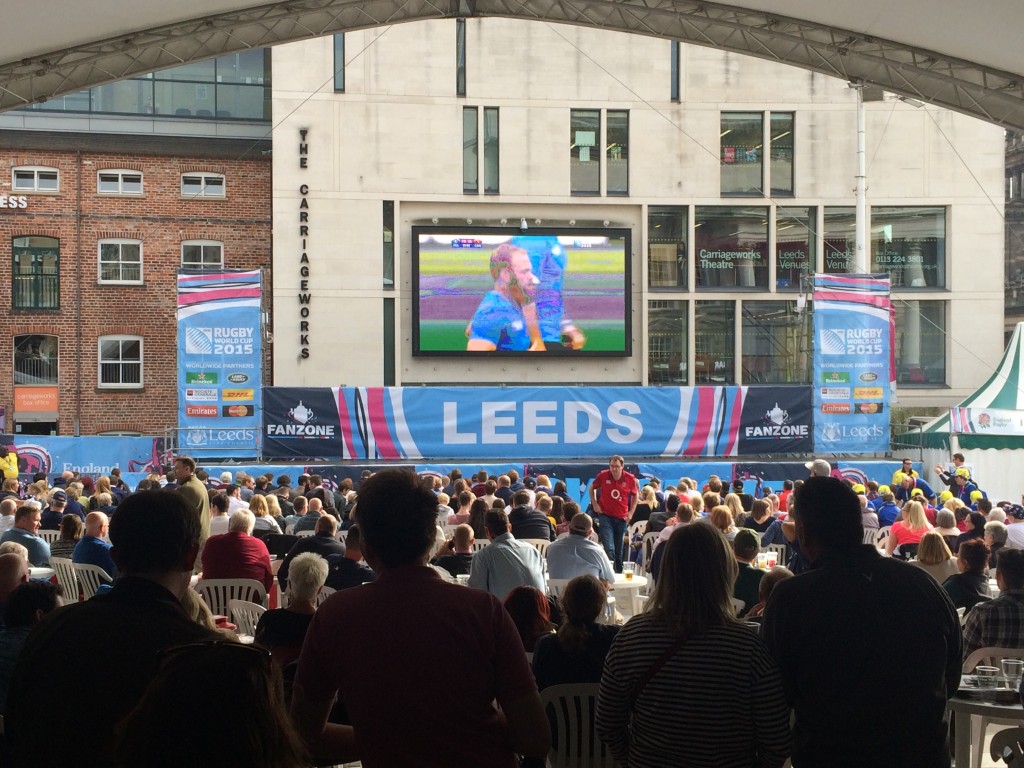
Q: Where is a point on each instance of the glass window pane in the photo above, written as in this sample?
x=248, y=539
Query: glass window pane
x=110, y=350
x=460, y=57
x=35, y=359
x=666, y=247
x=242, y=102
x=48, y=180
x=24, y=180
x=776, y=343
x=491, y=169
x=584, y=154
x=714, y=343
x=109, y=182
x=674, y=71
x=781, y=169
x=618, y=152
x=794, y=247
x=131, y=183
x=133, y=97
x=667, y=342
x=131, y=349
x=920, y=343
x=470, y=163
x=910, y=244
x=214, y=186
x=732, y=247
x=36, y=272
x=248, y=66
x=339, y=62
x=742, y=137
x=840, y=233
x=191, y=185
x=202, y=71
x=389, y=243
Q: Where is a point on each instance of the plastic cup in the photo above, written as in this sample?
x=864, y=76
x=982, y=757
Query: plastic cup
x=1013, y=669
x=627, y=571
x=762, y=560
x=988, y=677
x=772, y=560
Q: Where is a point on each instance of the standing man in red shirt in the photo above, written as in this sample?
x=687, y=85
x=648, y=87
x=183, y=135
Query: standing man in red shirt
x=613, y=495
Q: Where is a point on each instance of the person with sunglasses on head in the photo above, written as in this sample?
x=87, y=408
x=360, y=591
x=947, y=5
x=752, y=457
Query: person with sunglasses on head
x=115, y=638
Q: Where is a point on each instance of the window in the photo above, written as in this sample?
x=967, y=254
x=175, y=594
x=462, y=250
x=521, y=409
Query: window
x=840, y=234
x=119, y=182
x=339, y=62
x=584, y=159
x=794, y=246
x=732, y=248
x=715, y=342
x=120, y=361
x=910, y=244
x=202, y=255
x=35, y=360
x=120, y=261
x=202, y=185
x=920, y=343
x=666, y=247
x=617, y=152
x=460, y=57
x=781, y=154
x=742, y=141
x=675, y=93
x=31, y=179
x=470, y=152
x=491, y=150
x=389, y=342
x=36, y=272
x=667, y=342
x=389, y=244
x=776, y=343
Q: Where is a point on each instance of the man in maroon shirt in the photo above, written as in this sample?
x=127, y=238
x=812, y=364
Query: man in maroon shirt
x=613, y=495
x=237, y=554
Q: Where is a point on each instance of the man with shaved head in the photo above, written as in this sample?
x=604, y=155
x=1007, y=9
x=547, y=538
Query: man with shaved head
x=92, y=549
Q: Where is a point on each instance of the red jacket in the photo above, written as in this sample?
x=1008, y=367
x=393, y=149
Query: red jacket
x=237, y=555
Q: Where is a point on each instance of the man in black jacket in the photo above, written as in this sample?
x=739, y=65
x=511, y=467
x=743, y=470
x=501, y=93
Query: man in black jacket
x=527, y=522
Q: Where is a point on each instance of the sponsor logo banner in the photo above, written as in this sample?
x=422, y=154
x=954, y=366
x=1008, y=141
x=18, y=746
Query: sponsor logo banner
x=219, y=342
x=207, y=395
x=986, y=421
x=394, y=423
x=201, y=411
x=237, y=411
x=852, y=334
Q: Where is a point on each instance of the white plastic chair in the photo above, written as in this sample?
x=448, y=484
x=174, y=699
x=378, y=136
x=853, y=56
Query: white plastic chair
x=780, y=550
x=571, y=710
x=217, y=593
x=989, y=656
x=1008, y=746
x=303, y=534
x=479, y=544
x=647, y=551
x=738, y=605
x=325, y=592
x=66, y=578
x=541, y=545
x=882, y=536
x=90, y=577
x=48, y=536
x=869, y=535
x=245, y=615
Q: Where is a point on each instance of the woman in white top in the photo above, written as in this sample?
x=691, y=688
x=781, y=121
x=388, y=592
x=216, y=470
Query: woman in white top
x=933, y=556
x=261, y=510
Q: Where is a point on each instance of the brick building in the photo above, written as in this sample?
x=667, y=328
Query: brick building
x=93, y=230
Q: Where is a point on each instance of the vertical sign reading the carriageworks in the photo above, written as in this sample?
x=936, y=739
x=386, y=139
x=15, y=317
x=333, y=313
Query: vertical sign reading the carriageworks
x=851, y=363
x=219, y=363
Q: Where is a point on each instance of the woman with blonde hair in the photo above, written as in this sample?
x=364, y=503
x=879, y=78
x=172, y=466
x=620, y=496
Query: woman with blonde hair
x=721, y=518
x=261, y=511
x=681, y=659
x=9, y=490
x=935, y=557
x=735, y=505
x=645, y=506
x=909, y=529
x=274, y=510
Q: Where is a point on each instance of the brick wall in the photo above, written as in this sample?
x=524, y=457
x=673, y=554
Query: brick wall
x=80, y=217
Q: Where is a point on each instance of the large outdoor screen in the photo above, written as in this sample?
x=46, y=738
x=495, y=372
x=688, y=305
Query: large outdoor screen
x=508, y=292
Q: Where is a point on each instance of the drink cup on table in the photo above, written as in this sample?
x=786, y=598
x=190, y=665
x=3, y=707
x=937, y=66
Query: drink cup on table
x=772, y=560
x=988, y=677
x=1013, y=669
x=627, y=571
x=762, y=560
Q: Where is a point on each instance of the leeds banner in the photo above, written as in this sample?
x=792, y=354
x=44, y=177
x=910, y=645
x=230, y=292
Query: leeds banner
x=851, y=363
x=219, y=362
x=395, y=423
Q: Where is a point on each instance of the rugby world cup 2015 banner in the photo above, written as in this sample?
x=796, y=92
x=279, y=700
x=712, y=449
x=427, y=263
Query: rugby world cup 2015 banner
x=219, y=362
x=398, y=424
x=852, y=363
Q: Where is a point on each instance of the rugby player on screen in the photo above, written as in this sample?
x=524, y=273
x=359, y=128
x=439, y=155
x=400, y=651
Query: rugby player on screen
x=506, y=318
x=548, y=259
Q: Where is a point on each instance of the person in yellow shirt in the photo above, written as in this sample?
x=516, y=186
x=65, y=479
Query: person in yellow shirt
x=906, y=469
x=8, y=462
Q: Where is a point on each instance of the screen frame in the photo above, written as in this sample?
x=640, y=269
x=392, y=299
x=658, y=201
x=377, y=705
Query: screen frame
x=625, y=233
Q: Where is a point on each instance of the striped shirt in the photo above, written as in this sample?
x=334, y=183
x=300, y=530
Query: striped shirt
x=999, y=623
x=717, y=703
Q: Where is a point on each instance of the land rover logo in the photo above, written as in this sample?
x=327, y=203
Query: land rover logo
x=869, y=376
x=241, y=378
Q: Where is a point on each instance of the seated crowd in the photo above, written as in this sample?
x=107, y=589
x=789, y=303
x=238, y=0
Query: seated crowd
x=330, y=680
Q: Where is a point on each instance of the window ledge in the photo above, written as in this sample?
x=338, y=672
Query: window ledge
x=122, y=283
x=100, y=388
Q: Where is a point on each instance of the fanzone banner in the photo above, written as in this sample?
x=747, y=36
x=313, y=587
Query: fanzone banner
x=852, y=363
x=219, y=362
x=986, y=421
x=409, y=424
